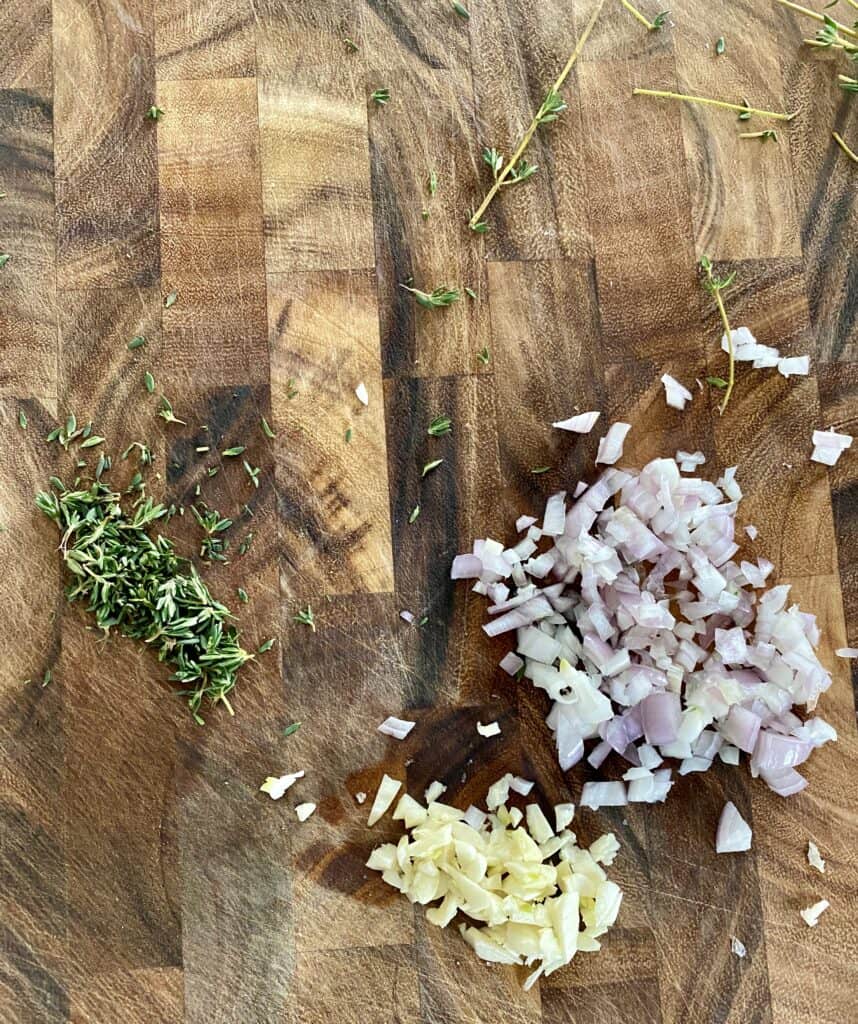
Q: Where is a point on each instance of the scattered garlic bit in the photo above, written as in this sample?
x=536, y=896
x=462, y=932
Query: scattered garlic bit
x=563, y=815
x=814, y=858
x=498, y=792
x=751, y=531
x=303, y=811
x=362, y=393
x=526, y=890
x=433, y=791
x=275, y=787
x=360, y=797
x=521, y=786
x=398, y=728
x=676, y=394
x=737, y=947
x=812, y=914
x=492, y=729
x=384, y=797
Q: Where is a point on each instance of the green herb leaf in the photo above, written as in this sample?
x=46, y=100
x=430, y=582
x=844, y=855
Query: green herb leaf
x=137, y=342
x=538, y=470
x=170, y=300
x=252, y=471
x=659, y=20
x=495, y=160
x=149, y=381
x=266, y=646
x=266, y=429
x=4, y=258
x=244, y=546
x=291, y=390
x=155, y=113
x=22, y=419
x=479, y=227
x=242, y=595
x=460, y=9
x=717, y=382
x=166, y=412
x=291, y=729
x=305, y=617
x=720, y=45
x=432, y=183
x=439, y=426
x=521, y=172
x=430, y=466
x=348, y=435
x=552, y=107
x=351, y=45
x=484, y=356
x=232, y=452
x=91, y=442
x=470, y=293
x=434, y=300
x=47, y=677
x=380, y=96
x=415, y=512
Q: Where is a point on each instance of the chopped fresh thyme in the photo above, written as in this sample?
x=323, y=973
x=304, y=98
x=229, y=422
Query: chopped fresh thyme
x=213, y=547
x=291, y=729
x=242, y=595
x=305, y=617
x=720, y=45
x=484, y=356
x=743, y=107
x=170, y=300
x=439, y=426
x=155, y=113
x=22, y=419
x=351, y=45
x=132, y=580
x=252, y=472
x=291, y=390
x=266, y=646
x=349, y=433
x=380, y=96
x=244, y=546
x=434, y=464
x=47, y=678
x=838, y=138
x=539, y=470
x=232, y=452
x=212, y=471
x=415, y=512
x=460, y=9
x=137, y=342
x=166, y=412
x=149, y=381
x=202, y=448
x=442, y=296
x=432, y=183
x=4, y=258
x=650, y=26
x=717, y=382
x=266, y=429
x=470, y=292
x=91, y=442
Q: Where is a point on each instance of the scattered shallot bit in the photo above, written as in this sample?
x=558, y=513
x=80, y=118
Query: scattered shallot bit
x=362, y=394
x=734, y=833
x=847, y=652
x=360, y=797
x=828, y=446
x=581, y=424
x=276, y=786
x=492, y=729
x=407, y=616
x=811, y=915
x=384, y=797
x=611, y=445
x=814, y=858
x=676, y=394
x=398, y=728
x=303, y=811
x=737, y=947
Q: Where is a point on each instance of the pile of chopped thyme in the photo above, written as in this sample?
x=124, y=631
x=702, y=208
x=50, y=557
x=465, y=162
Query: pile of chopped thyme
x=133, y=580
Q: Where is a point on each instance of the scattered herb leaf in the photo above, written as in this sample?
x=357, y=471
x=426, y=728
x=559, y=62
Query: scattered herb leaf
x=715, y=285
x=22, y=419
x=91, y=442
x=149, y=381
x=266, y=646
x=155, y=113
x=252, y=472
x=439, y=426
x=266, y=429
x=380, y=96
x=460, y=9
x=170, y=300
x=432, y=183
x=242, y=595
x=244, y=546
x=291, y=729
x=720, y=45
x=232, y=452
x=415, y=512
x=305, y=617
x=348, y=435
x=470, y=293
x=442, y=296
x=538, y=470
x=4, y=258
x=137, y=342
x=717, y=382
x=484, y=356
x=351, y=45
x=166, y=412
x=434, y=464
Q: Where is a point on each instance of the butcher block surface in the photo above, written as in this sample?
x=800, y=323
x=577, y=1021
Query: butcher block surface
x=145, y=879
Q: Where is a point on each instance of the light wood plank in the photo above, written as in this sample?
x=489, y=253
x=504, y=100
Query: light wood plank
x=199, y=39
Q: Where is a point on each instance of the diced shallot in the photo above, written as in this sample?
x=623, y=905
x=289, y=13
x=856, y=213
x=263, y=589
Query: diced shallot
x=603, y=794
x=583, y=423
x=811, y=915
x=675, y=394
x=828, y=446
x=734, y=833
x=611, y=445
x=398, y=728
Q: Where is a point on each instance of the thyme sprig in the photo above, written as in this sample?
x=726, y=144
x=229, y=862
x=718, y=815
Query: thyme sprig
x=133, y=581
x=715, y=285
x=213, y=546
x=650, y=26
x=551, y=107
x=442, y=296
x=743, y=108
x=849, y=152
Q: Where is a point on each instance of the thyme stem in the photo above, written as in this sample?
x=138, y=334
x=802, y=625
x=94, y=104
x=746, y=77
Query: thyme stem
x=534, y=124
x=635, y=13
x=849, y=152
x=817, y=17
x=713, y=103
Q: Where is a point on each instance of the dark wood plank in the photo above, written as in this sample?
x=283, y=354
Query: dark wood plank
x=208, y=39
x=28, y=332
x=138, y=997
x=25, y=53
x=106, y=189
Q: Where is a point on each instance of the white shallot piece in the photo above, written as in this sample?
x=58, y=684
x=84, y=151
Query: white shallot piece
x=847, y=652
x=303, y=811
x=529, y=894
x=811, y=915
x=492, y=729
x=747, y=350
x=651, y=636
x=362, y=394
x=611, y=445
x=814, y=857
x=828, y=446
x=737, y=947
x=398, y=728
x=275, y=787
x=676, y=394
x=581, y=424
x=734, y=833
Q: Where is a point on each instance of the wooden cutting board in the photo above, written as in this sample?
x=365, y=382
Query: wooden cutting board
x=145, y=878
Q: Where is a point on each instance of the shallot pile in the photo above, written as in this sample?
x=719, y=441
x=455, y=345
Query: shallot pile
x=629, y=609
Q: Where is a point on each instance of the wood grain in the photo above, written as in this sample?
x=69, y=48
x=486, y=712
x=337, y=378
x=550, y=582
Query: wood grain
x=145, y=878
